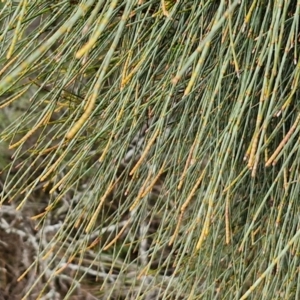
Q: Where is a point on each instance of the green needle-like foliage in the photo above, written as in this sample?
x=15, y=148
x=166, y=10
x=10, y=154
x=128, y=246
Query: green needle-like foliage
x=163, y=137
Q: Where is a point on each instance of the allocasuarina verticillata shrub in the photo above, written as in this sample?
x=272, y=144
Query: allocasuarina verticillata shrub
x=157, y=154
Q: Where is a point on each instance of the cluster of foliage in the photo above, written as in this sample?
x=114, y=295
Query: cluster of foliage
x=163, y=136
